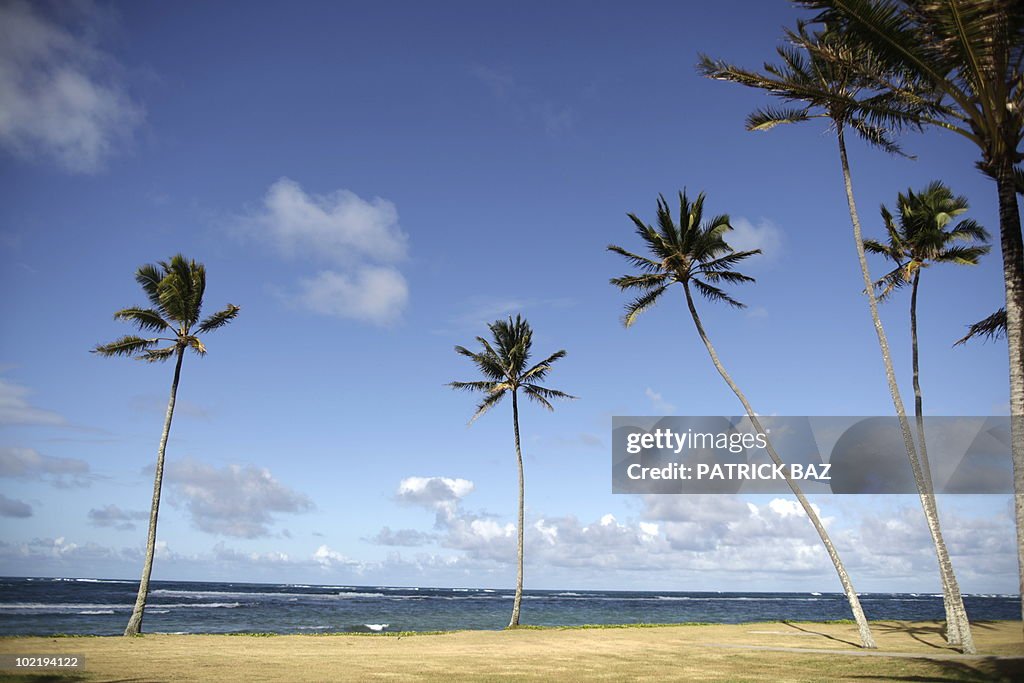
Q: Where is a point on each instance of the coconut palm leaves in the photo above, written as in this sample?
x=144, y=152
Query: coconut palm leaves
x=694, y=253
x=817, y=78
x=175, y=291
x=503, y=363
x=920, y=236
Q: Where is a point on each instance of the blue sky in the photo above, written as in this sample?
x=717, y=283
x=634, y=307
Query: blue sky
x=372, y=185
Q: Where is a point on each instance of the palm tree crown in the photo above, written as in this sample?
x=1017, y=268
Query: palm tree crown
x=503, y=363
x=175, y=291
x=920, y=236
x=821, y=74
x=692, y=252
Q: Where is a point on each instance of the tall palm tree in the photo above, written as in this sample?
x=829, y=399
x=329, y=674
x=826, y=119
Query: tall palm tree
x=175, y=291
x=918, y=239
x=694, y=254
x=965, y=59
x=820, y=72
x=502, y=362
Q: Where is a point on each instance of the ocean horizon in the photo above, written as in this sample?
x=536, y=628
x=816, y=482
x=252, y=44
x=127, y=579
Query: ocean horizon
x=98, y=606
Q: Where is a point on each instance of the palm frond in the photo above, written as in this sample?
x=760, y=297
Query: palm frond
x=641, y=262
x=992, y=327
x=159, y=355
x=128, y=345
x=196, y=345
x=143, y=318
x=712, y=293
x=641, y=304
x=767, y=118
x=489, y=402
x=149, y=276
x=539, y=371
x=218, y=319
x=648, y=281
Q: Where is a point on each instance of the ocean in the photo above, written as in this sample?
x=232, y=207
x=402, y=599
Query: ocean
x=46, y=606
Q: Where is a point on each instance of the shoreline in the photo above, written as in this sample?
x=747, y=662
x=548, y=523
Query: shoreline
x=767, y=650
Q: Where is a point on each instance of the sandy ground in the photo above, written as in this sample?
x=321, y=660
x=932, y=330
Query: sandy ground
x=908, y=651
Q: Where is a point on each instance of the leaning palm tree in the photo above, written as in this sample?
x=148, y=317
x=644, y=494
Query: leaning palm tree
x=965, y=59
x=820, y=73
x=175, y=291
x=918, y=239
x=502, y=362
x=694, y=254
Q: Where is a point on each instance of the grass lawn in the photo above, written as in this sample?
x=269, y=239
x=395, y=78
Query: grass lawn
x=776, y=651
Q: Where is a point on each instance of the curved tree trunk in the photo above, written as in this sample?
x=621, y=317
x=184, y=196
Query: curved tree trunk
x=1013, y=276
x=952, y=601
x=867, y=640
x=135, y=622
x=959, y=625
x=517, y=602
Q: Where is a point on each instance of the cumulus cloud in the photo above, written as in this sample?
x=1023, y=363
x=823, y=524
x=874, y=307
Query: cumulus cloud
x=763, y=235
x=15, y=408
x=437, y=493
x=62, y=96
x=28, y=464
x=11, y=507
x=360, y=240
x=234, y=500
x=331, y=559
x=373, y=294
x=113, y=516
x=340, y=226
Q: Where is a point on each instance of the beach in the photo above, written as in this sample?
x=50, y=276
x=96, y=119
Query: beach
x=790, y=651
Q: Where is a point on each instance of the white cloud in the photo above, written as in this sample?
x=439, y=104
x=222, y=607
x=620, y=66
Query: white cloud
x=339, y=227
x=62, y=97
x=746, y=236
x=660, y=405
x=233, y=500
x=437, y=493
x=374, y=294
x=360, y=240
x=27, y=463
x=15, y=408
x=328, y=558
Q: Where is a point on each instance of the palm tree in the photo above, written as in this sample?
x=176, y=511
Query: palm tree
x=917, y=240
x=502, y=362
x=175, y=291
x=695, y=254
x=964, y=59
x=821, y=73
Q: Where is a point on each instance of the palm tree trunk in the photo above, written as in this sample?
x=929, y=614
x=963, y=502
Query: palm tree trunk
x=952, y=601
x=1013, y=276
x=959, y=615
x=135, y=622
x=517, y=602
x=866, y=639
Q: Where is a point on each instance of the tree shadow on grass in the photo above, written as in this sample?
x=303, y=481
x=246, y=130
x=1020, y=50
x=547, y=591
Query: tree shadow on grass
x=918, y=632
x=803, y=628
x=998, y=670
